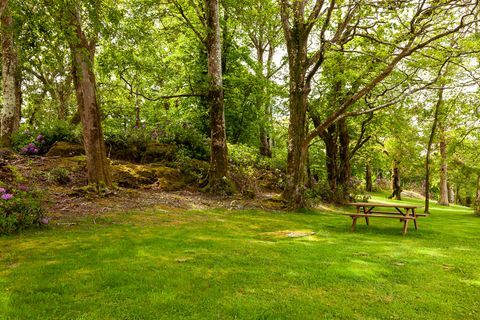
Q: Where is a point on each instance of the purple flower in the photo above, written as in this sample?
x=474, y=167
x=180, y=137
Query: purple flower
x=2, y=190
x=44, y=220
x=136, y=127
x=7, y=196
x=40, y=138
x=22, y=187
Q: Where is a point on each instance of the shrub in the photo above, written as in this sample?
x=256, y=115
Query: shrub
x=20, y=208
x=39, y=141
x=59, y=175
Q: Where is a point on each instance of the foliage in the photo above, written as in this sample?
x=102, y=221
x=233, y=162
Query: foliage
x=20, y=208
x=59, y=176
x=40, y=140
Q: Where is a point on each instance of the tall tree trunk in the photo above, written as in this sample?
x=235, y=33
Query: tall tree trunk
x=443, y=199
x=337, y=149
x=10, y=114
x=451, y=194
x=296, y=157
x=331, y=159
x=262, y=103
x=396, y=187
x=477, y=198
x=368, y=177
x=265, y=142
x=429, y=149
x=344, y=170
x=217, y=179
x=137, y=110
x=83, y=56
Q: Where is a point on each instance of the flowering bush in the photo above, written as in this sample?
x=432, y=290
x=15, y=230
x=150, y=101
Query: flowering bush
x=33, y=142
x=20, y=208
x=30, y=149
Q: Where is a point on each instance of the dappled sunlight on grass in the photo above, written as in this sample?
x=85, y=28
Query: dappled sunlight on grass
x=243, y=264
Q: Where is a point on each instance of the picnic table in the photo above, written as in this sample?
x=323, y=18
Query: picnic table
x=403, y=212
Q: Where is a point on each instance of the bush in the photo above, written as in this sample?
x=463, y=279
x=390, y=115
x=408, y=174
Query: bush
x=39, y=141
x=59, y=176
x=20, y=209
x=134, y=144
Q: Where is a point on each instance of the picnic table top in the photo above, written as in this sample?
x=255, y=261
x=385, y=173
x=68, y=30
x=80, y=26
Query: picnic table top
x=387, y=205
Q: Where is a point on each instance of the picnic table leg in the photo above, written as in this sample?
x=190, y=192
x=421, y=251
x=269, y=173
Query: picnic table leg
x=405, y=226
x=367, y=220
x=415, y=219
x=354, y=223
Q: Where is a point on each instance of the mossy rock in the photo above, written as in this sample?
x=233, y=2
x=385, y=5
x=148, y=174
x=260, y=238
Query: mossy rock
x=170, y=179
x=132, y=176
x=159, y=153
x=138, y=176
x=65, y=149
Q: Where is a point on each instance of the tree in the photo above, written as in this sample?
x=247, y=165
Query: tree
x=209, y=34
x=299, y=18
x=10, y=114
x=82, y=49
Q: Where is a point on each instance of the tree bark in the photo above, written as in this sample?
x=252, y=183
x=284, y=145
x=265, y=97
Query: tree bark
x=137, y=110
x=396, y=187
x=429, y=149
x=443, y=199
x=10, y=114
x=217, y=179
x=477, y=198
x=296, y=157
x=83, y=56
x=451, y=194
x=368, y=177
x=343, y=183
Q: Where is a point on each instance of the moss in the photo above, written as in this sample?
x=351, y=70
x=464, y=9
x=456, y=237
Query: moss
x=136, y=176
x=65, y=149
x=15, y=174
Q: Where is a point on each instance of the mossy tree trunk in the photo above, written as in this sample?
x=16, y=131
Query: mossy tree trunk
x=368, y=177
x=83, y=57
x=10, y=113
x=217, y=179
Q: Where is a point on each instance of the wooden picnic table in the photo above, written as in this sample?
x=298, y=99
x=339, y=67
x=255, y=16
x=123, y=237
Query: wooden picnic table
x=403, y=212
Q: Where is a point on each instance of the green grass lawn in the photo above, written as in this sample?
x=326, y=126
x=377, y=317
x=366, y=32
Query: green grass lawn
x=224, y=264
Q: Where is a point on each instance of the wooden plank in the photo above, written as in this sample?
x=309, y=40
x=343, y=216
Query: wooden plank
x=354, y=223
x=380, y=216
x=386, y=205
x=405, y=226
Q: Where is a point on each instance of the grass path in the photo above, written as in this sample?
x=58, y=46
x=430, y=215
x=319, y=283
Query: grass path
x=223, y=264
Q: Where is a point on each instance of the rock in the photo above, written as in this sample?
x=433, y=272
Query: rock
x=65, y=149
x=136, y=176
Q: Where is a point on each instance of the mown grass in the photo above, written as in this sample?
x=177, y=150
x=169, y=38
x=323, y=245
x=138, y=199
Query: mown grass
x=222, y=264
